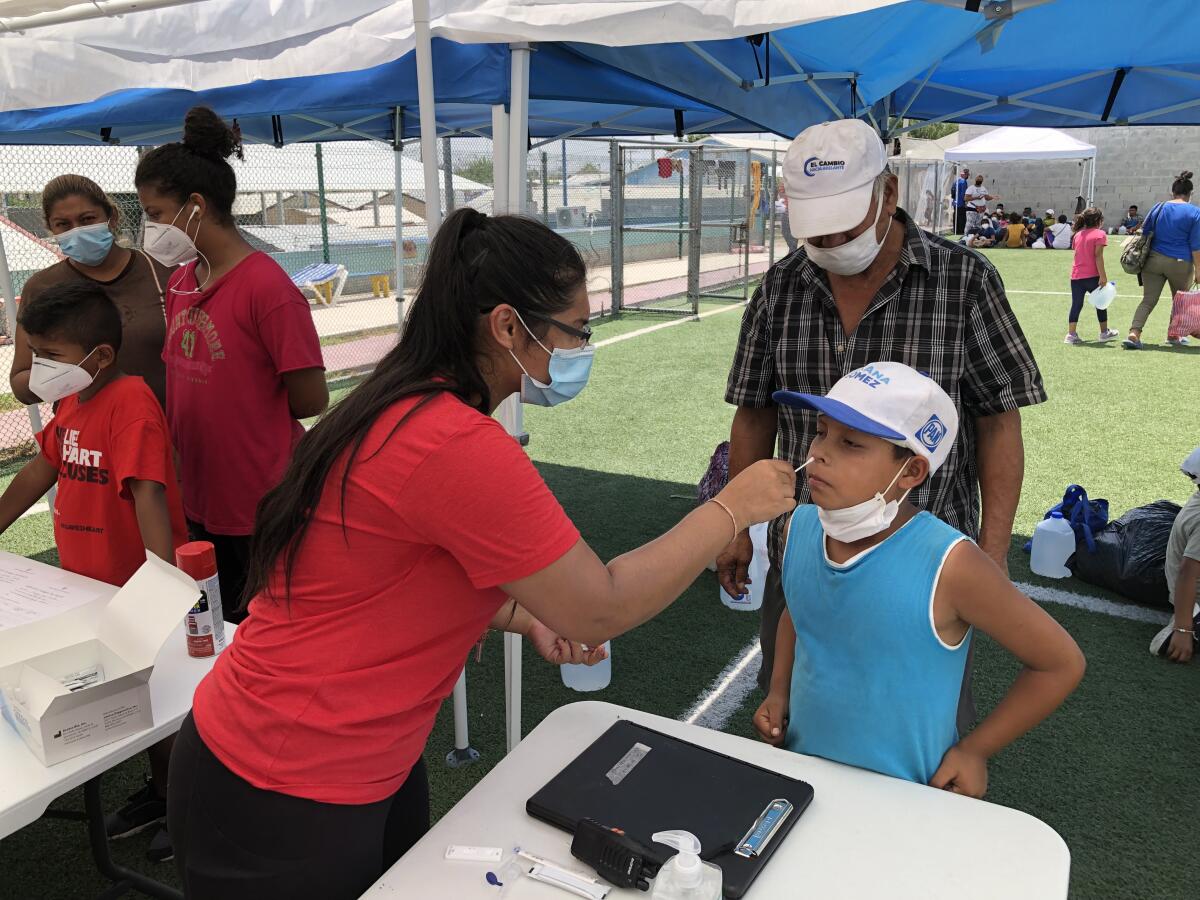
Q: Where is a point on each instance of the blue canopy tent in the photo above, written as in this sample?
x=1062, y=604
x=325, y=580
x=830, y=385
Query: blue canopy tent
x=1066, y=63
x=568, y=93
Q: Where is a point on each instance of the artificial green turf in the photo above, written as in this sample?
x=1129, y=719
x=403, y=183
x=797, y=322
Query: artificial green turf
x=1113, y=771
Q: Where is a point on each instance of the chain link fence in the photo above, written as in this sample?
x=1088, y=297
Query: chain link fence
x=331, y=216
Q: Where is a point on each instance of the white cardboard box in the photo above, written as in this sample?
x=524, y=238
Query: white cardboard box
x=123, y=634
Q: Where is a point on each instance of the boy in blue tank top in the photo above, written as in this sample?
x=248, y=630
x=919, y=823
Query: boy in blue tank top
x=882, y=599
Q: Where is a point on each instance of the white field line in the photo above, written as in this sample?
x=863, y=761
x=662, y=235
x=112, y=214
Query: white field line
x=632, y=334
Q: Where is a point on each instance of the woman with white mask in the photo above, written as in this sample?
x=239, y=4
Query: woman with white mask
x=244, y=364
x=83, y=222
x=408, y=523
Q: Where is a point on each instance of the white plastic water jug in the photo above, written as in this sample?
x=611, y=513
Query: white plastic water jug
x=753, y=598
x=1053, y=544
x=1103, y=297
x=589, y=678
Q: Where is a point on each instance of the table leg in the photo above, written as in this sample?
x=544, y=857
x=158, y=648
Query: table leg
x=512, y=690
x=463, y=753
x=124, y=880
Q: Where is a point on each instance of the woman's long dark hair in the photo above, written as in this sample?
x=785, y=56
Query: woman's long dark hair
x=1182, y=186
x=475, y=263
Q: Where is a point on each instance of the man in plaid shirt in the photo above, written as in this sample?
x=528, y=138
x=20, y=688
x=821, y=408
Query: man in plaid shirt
x=869, y=285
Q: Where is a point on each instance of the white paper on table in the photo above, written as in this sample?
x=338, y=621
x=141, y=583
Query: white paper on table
x=30, y=591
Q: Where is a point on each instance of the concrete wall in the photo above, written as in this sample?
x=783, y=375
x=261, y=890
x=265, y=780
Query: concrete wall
x=1134, y=164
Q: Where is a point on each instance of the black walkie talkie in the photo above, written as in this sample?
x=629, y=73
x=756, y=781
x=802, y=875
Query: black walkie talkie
x=614, y=855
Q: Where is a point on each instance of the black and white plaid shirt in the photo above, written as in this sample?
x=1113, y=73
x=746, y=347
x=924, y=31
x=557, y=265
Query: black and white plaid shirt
x=942, y=311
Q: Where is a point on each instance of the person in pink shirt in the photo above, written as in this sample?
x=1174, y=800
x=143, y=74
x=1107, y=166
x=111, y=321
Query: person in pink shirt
x=1087, y=273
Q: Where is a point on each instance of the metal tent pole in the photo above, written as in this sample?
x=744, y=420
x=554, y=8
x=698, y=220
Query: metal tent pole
x=398, y=208
x=428, y=110
x=10, y=315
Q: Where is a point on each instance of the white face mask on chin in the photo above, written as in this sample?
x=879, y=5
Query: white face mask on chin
x=863, y=520
x=856, y=254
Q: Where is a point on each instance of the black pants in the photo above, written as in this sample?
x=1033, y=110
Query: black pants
x=233, y=564
x=1079, y=287
x=234, y=841
x=960, y=220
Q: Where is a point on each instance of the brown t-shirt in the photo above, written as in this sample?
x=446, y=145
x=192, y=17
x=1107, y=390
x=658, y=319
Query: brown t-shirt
x=137, y=297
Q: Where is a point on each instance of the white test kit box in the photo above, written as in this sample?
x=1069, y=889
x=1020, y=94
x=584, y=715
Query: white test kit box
x=81, y=679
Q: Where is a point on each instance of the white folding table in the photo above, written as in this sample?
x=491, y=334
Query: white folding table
x=27, y=787
x=865, y=835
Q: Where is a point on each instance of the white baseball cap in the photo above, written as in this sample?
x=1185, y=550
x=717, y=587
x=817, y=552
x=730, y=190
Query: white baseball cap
x=891, y=401
x=1191, y=466
x=828, y=174
x=1049, y=212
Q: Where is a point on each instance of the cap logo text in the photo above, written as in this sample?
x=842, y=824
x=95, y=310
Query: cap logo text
x=813, y=165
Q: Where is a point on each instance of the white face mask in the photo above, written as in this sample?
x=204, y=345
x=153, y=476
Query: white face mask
x=169, y=244
x=51, y=380
x=853, y=523
x=856, y=254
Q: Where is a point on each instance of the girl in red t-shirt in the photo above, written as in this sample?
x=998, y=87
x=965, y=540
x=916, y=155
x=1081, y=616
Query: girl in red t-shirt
x=243, y=359
x=408, y=523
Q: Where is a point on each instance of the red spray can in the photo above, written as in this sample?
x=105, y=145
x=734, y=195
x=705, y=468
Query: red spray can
x=204, y=625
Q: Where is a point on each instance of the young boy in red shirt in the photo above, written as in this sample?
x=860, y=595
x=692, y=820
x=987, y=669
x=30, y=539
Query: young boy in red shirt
x=107, y=449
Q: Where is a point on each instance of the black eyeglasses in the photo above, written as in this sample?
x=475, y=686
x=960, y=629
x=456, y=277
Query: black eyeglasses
x=584, y=334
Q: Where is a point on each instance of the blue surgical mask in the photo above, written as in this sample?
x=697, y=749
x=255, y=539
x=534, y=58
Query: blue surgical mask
x=88, y=245
x=569, y=371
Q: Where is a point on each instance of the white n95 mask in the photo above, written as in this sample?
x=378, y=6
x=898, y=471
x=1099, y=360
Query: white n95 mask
x=856, y=254
x=853, y=523
x=168, y=243
x=51, y=380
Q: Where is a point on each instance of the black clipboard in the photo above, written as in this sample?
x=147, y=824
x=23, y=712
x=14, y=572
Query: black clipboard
x=671, y=785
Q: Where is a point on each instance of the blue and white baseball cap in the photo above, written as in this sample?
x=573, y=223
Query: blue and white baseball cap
x=891, y=401
x=829, y=175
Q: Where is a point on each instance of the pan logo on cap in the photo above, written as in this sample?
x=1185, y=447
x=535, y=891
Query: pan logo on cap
x=814, y=164
x=932, y=433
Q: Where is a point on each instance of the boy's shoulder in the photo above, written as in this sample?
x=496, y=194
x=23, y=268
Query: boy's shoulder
x=129, y=398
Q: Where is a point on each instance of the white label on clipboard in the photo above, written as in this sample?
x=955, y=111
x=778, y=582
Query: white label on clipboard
x=627, y=763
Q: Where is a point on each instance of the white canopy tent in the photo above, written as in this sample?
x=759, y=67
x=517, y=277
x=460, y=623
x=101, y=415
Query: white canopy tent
x=1013, y=143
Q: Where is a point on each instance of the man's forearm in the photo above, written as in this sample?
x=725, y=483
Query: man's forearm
x=1000, y=459
x=1185, y=592
x=751, y=438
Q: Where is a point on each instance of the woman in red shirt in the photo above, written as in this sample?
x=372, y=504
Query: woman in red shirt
x=243, y=359
x=407, y=524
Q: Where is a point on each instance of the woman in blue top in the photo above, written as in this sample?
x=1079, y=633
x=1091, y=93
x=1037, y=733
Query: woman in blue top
x=1174, y=254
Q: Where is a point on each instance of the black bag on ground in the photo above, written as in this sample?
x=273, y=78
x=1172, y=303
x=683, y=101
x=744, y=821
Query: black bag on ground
x=1131, y=554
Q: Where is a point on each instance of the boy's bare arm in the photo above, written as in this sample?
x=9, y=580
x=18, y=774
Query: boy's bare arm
x=154, y=518
x=770, y=721
x=30, y=485
x=984, y=598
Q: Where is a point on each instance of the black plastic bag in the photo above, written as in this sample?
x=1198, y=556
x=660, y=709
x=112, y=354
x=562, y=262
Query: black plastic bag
x=1131, y=554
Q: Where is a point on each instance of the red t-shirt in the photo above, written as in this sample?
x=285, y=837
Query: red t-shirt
x=331, y=695
x=98, y=447
x=225, y=352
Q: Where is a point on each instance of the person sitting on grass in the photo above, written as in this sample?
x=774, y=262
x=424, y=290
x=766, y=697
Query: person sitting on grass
x=1060, y=233
x=1177, y=641
x=108, y=450
x=882, y=599
x=1017, y=232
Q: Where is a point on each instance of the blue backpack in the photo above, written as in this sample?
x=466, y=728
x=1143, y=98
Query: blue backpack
x=1085, y=516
